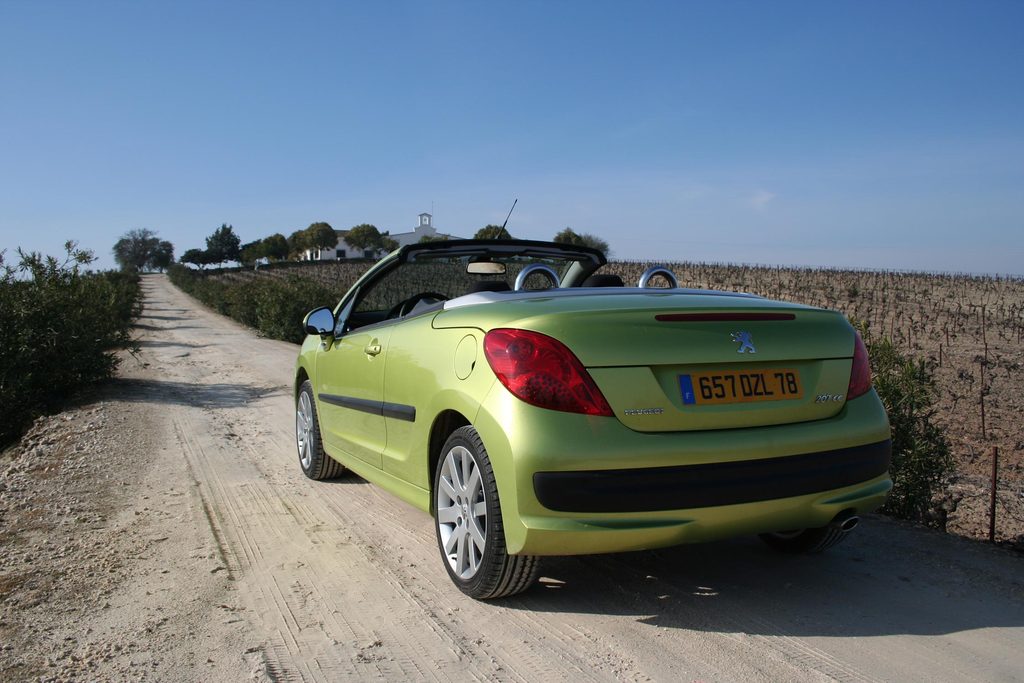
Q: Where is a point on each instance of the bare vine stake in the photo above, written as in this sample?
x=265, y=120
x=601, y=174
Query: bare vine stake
x=940, y=354
x=984, y=336
x=992, y=496
x=983, y=436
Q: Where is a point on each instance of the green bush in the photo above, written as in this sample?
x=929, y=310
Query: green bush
x=59, y=330
x=241, y=302
x=281, y=307
x=921, y=459
x=274, y=306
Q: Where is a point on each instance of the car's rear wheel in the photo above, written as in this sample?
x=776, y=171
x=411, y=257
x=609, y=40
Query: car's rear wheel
x=315, y=463
x=467, y=516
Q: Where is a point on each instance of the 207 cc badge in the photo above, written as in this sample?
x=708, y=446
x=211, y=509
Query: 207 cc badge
x=745, y=342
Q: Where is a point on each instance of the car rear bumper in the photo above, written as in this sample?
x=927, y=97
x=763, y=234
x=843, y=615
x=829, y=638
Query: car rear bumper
x=711, y=484
x=584, y=534
x=575, y=484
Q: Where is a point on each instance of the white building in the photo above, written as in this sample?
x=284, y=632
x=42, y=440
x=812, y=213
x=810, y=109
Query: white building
x=425, y=229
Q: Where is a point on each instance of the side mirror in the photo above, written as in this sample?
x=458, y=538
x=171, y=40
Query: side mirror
x=319, y=321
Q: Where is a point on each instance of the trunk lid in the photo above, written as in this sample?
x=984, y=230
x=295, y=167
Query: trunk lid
x=678, y=360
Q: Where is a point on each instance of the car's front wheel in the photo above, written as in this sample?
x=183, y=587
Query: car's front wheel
x=467, y=516
x=315, y=463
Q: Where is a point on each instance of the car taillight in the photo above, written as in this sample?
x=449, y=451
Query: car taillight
x=860, y=375
x=542, y=372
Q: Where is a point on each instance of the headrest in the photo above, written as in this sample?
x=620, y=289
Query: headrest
x=604, y=280
x=489, y=286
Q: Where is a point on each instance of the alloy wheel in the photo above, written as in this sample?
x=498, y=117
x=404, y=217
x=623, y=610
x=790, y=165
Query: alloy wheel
x=462, y=512
x=304, y=430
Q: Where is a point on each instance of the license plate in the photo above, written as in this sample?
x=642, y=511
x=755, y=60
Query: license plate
x=740, y=386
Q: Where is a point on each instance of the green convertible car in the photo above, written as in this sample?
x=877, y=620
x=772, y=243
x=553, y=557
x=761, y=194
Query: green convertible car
x=536, y=406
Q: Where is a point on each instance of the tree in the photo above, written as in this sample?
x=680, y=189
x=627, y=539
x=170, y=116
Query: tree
x=321, y=236
x=493, y=232
x=135, y=248
x=275, y=247
x=161, y=257
x=223, y=245
x=196, y=257
x=570, y=236
x=388, y=244
x=298, y=243
x=596, y=242
x=252, y=251
x=567, y=236
x=364, y=236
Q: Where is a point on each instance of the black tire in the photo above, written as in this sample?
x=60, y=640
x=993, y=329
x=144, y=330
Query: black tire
x=490, y=574
x=805, y=541
x=315, y=463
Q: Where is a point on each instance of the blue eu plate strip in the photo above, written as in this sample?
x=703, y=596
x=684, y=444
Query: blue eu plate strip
x=686, y=386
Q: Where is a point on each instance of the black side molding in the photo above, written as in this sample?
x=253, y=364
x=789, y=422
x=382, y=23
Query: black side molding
x=707, y=485
x=399, y=411
x=395, y=410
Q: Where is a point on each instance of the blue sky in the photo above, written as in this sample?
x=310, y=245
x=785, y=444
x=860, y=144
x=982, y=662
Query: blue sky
x=868, y=134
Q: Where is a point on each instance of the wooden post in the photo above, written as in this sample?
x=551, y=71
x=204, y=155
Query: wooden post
x=992, y=497
x=940, y=354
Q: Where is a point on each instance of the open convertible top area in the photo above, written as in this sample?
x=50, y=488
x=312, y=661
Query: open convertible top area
x=475, y=298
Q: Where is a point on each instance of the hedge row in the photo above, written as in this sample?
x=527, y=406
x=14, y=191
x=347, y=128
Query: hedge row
x=60, y=328
x=274, y=306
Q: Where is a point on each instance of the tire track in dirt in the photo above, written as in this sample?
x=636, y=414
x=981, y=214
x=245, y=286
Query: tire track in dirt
x=264, y=544
x=263, y=527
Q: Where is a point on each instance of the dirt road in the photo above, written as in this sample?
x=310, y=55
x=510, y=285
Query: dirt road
x=230, y=565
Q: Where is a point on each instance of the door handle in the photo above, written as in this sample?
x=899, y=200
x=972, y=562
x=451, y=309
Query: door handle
x=372, y=350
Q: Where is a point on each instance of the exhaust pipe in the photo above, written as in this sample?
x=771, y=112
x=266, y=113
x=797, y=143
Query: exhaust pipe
x=836, y=530
x=817, y=539
x=845, y=522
